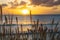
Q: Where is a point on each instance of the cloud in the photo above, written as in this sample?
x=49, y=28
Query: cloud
x=4, y=5
x=48, y=3
x=22, y=3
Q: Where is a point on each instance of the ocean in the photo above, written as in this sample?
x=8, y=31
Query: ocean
x=45, y=20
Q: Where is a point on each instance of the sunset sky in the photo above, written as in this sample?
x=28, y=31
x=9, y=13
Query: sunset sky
x=36, y=6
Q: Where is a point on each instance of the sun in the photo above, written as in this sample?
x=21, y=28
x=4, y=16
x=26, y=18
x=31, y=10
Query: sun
x=25, y=11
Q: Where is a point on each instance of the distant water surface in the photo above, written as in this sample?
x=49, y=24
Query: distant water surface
x=44, y=19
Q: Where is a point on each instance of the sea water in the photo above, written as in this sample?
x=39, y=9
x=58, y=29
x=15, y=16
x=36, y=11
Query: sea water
x=43, y=19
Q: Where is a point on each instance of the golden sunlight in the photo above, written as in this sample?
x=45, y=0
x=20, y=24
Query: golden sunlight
x=25, y=11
